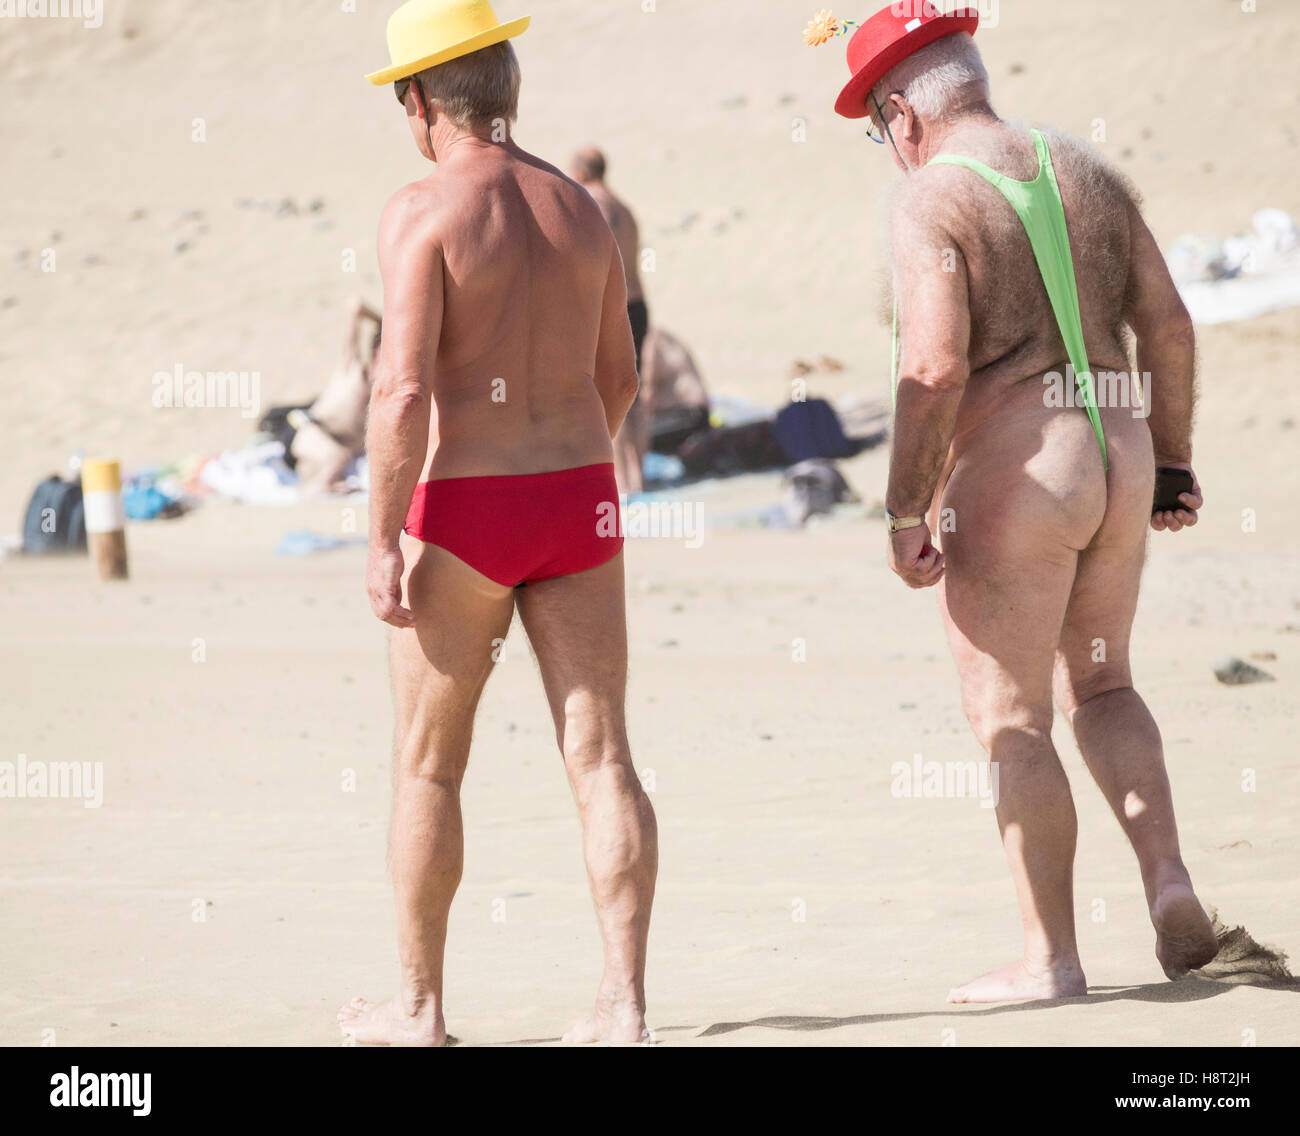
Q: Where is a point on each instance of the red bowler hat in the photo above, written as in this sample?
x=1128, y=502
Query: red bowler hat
x=889, y=37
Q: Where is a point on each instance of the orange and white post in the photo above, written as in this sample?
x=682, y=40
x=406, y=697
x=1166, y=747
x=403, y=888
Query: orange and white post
x=101, y=490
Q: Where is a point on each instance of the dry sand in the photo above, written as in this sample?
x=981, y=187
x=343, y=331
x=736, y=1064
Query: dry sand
x=227, y=781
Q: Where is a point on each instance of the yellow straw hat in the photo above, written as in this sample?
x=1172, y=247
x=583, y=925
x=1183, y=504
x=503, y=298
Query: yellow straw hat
x=424, y=33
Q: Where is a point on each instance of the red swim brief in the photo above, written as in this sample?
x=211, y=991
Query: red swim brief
x=524, y=528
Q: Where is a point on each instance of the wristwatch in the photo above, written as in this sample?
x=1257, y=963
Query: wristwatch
x=898, y=524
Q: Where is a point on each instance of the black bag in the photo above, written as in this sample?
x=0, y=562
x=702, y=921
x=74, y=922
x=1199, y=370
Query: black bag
x=811, y=429
x=56, y=519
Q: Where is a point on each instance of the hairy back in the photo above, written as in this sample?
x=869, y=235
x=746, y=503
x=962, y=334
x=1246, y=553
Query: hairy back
x=1014, y=335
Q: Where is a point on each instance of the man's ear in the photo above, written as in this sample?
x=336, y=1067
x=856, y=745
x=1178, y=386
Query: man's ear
x=908, y=117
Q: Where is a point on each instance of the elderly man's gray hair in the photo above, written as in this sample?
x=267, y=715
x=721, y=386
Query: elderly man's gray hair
x=934, y=79
x=476, y=89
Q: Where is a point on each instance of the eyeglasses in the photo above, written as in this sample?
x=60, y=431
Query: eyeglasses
x=876, y=130
x=400, y=88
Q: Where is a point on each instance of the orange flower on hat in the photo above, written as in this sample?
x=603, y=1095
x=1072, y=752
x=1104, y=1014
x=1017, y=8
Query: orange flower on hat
x=821, y=27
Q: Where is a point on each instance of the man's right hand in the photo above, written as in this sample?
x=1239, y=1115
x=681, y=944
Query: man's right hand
x=384, y=569
x=1175, y=519
x=914, y=558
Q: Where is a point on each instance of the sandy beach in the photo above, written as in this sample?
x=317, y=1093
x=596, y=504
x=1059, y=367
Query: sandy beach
x=230, y=889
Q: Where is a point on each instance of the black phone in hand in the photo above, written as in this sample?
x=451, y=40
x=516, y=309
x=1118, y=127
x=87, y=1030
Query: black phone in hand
x=1169, y=484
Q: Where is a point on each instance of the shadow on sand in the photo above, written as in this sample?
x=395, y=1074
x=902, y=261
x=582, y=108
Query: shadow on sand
x=1241, y=961
x=1193, y=988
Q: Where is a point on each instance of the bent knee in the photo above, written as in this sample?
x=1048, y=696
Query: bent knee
x=587, y=742
x=997, y=723
x=1077, y=690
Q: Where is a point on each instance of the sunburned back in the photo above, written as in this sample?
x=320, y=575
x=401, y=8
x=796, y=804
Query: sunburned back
x=525, y=257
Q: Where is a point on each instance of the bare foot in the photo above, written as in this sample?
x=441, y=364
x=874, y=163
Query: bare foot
x=618, y=1020
x=1025, y=982
x=1185, y=938
x=387, y=1023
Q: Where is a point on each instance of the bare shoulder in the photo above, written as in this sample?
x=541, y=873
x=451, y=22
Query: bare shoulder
x=541, y=169
x=926, y=202
x=590, y=205
x=593, y=214
x=1087, y=164
x=584, y=206
x=412, y=218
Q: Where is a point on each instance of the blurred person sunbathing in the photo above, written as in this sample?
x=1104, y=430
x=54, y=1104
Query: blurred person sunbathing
x=506, y=369
x=672, y=391
x=331, y=433
x=1040, y=505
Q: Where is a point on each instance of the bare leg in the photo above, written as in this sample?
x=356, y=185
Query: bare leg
x=577, y=626
x=1004, y=595
x=439, y=669
x=1120, y=741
